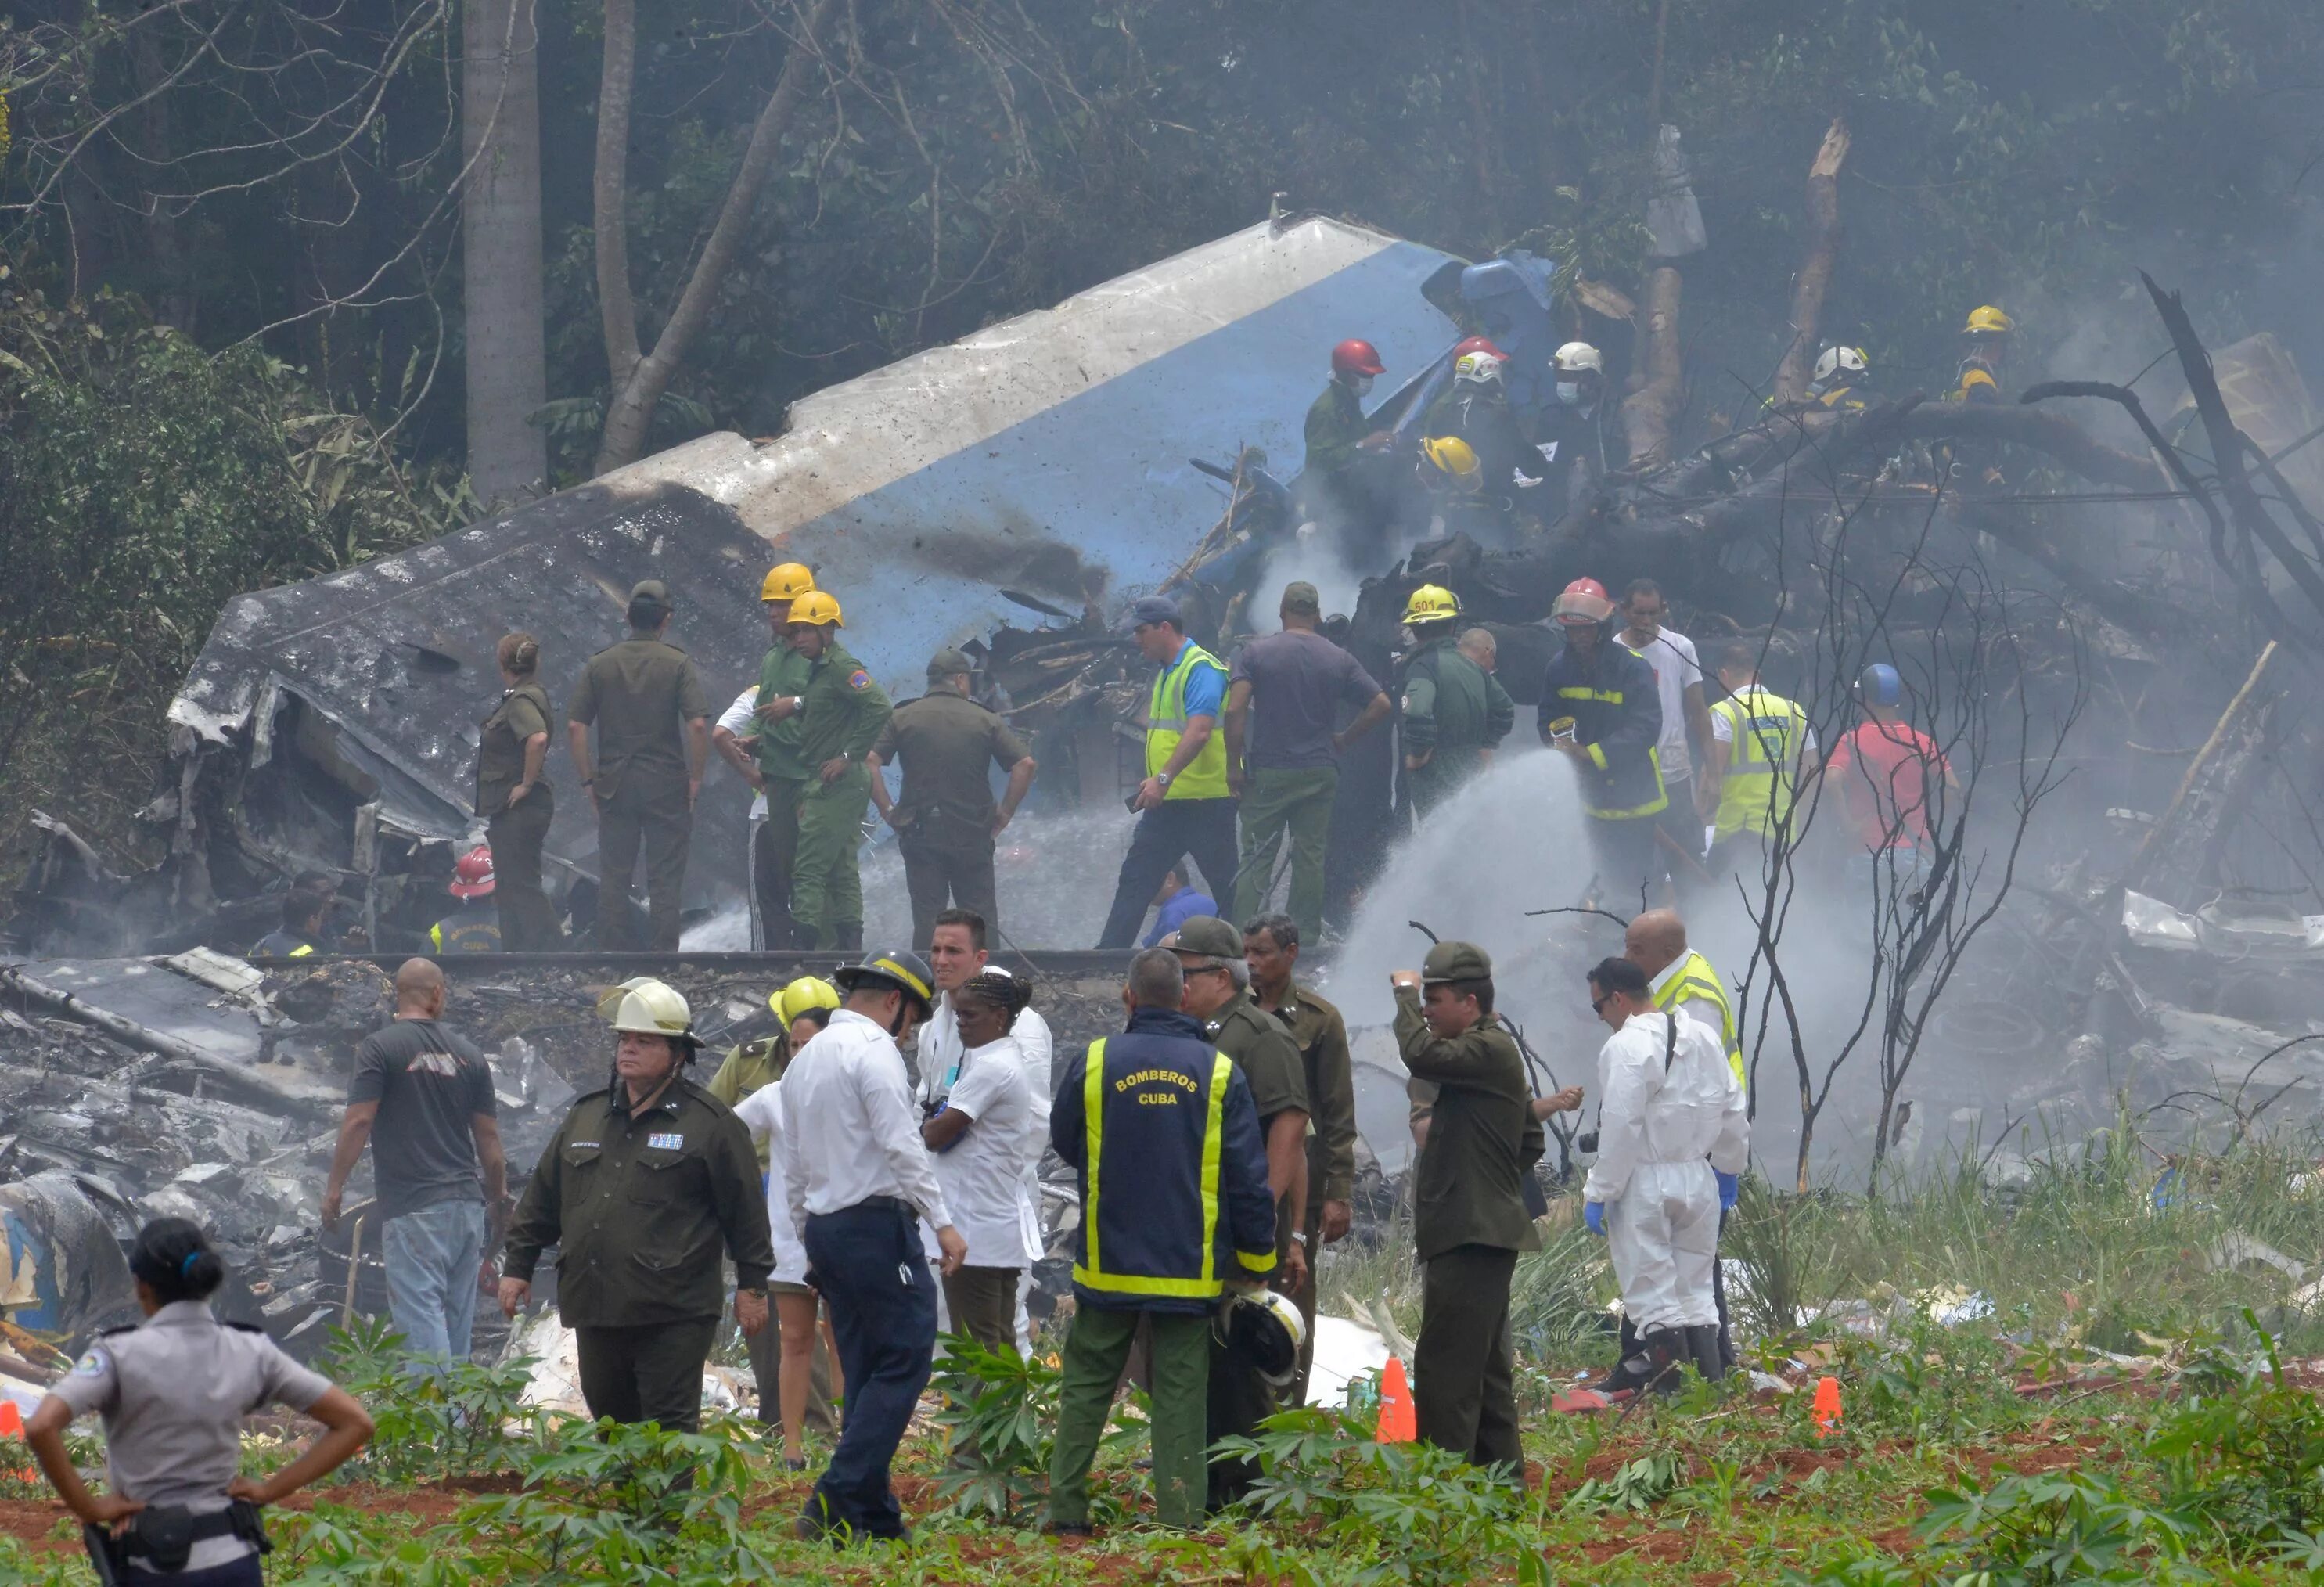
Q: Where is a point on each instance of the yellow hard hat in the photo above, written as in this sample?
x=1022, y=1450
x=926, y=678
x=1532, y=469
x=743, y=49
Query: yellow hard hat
x=1432, y=603
x=808, y=992
x=815, y=606
x=656, y=1008
x=1987, y=322
x=788, y=582
x=1455, y=457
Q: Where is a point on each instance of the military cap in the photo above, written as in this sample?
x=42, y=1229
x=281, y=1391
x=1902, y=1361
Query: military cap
x=949, y=663
x=650, y=589
x=1302, y=597
x=1456, y=960
x=1148, y=609
x=1210, y=937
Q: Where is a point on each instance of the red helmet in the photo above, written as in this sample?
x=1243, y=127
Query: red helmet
x=1478, y=345
x=1583, y=601
x=472, y=877
x=1354, y=357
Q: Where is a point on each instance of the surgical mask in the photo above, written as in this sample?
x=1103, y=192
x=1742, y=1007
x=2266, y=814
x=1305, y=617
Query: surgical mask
x=1569, y=392
x=1361, y=385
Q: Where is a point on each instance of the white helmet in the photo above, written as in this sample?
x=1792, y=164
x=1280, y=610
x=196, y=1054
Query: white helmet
x=1265, y=1330
x=1576, y=356
x=656, y=1008
x=1837, y=361
x=1479, y=369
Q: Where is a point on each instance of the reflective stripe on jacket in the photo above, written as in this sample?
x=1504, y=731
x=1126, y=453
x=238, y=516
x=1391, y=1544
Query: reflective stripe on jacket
x=1693, y=980
x=1173, y=1169
x=1617, y=714
x=1205, y=776
x=1762, y=762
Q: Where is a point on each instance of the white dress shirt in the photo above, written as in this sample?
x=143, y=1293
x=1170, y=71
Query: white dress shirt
x=742, y=720
x=853, y=1131
x=983, y=1172
x=762, y=1111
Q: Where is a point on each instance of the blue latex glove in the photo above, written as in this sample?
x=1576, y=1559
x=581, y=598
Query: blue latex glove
x=1731, y=1187
x=1594, y=1213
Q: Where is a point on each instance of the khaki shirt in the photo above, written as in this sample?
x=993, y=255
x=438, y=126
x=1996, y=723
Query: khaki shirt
x=647, y=1208
x=1482, y=1138
x=640, y=694
x=845, y=711
x=1322, y=1037
x=524, y=711
x=945, y=743
x=1276, y=1075
x=748, y=1069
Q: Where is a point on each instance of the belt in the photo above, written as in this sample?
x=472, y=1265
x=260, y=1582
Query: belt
x=881, y=1204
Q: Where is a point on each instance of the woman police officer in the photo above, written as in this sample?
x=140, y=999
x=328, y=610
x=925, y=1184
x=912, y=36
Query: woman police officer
x=173, y=1390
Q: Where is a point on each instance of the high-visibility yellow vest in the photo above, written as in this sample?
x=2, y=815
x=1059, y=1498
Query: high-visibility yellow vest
x=1205, y=776
x=1762, y=761
x=1695, y=979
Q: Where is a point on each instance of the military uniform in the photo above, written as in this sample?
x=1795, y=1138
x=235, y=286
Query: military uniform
x=774, y=845
x=1320, y=1035
x=1271, y=1065
x=1453, y=710
x=645, y=1209
x=640, y=695
x=517, y=832
x=945, y=743
x=844, y=717
x=1468, y=1218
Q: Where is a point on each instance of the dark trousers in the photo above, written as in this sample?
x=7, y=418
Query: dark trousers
x=766, y=1347
x=774, y=848
x=245, y=1572
x=1164, y=835
x=654, y=816
x=946, y=872
x=527, y=919
x=868, y=1263
x=983, y=1302
x=1304, y=1298
x=1629, y=861
x=648, y=1373
x=1463, y=1380
x=1236, y=1401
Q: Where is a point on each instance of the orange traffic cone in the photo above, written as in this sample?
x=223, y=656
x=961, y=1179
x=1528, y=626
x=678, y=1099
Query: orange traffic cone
x=1399, y=1419
x=1827, y=1407
x=11, y=1420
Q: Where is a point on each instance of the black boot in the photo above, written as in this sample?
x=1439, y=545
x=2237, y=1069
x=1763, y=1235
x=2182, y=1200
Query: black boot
x=848, y=936
x=1702, y=1344
x=1653, y=1365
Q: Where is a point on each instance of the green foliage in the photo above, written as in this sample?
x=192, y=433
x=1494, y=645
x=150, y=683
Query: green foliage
x=2056, y=1526
x=1636, y=1488
x=1001, y=1409
x=464, y=1421
x=2245, y=1454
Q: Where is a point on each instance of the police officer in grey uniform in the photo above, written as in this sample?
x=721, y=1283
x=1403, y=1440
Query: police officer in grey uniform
x=173, y=1390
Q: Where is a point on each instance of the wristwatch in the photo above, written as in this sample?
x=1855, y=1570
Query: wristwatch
x=1301, y=1236
x=1163, y=777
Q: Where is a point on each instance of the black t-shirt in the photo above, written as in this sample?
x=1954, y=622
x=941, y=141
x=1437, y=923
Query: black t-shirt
x=427, y=1082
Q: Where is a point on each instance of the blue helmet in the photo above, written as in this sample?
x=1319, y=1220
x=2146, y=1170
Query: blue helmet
x=1878, y=684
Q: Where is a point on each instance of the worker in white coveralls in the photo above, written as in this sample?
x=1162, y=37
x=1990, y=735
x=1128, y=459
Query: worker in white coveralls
x=1671, y=1142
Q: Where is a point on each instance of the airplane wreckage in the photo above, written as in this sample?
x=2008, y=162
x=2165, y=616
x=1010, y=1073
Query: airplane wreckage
x=1010, y=494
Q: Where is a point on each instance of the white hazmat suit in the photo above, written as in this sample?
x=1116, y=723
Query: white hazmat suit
x=1671, y=1113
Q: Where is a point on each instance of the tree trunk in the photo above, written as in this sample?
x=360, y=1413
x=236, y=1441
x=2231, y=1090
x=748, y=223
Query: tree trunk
x=1651, y=410
x=1815, y=269
x=500, y=266
x=639, y=380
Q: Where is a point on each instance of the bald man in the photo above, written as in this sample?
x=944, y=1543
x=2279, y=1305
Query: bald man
x=422, y=1097
x=1480, y=646
x=1684, y=986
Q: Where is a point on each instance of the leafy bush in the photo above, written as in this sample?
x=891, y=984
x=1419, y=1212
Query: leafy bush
x=2057, y=1526
x=1001, y=1409
x=461, y=1421
x=2245, y=1455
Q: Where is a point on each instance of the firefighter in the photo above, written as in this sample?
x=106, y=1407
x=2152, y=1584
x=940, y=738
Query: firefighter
x=1475, y=410
x=1842, y=379
x=783, y=771
x=1601, y=709
x=1984, y=354
x=1453, y=712
x=1579, y=436
x=1342, y=443
x=474, y=928
x=1759, y=743
x=301, y=934
x=844, y=712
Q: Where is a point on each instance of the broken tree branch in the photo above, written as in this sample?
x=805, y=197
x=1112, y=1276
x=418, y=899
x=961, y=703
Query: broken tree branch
x=1651, y=410
x=2181, y=851
x=1815, y=270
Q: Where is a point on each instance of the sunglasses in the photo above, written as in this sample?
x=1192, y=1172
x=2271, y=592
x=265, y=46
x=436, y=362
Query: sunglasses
x=1598, y=1004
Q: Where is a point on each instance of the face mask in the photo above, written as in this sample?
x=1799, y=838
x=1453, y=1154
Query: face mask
x=1570, y=393
x=1361, y=385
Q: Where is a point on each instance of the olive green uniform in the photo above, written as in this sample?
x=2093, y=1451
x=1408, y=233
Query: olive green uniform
x=1272, y=1066
x=1322, y=1037
x=1469, y=1223
x=645, y=1208
x=744, y=1070
x=1336, y=424
x=1451, y=710
x=517, y=832
x=946, y=743
x=640, y=695
x=774, y=846
x=845, y=714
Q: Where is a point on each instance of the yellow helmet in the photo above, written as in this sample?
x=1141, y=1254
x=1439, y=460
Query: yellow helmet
x=656, y=1008
x=1987, y=322
x=1432, y=603
x=815, y=606
x=1455, y=457
x=808, y=992
x=788, y=582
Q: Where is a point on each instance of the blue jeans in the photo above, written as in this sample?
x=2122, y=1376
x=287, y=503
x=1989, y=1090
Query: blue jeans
x=868, y=1265
x=432, y=1257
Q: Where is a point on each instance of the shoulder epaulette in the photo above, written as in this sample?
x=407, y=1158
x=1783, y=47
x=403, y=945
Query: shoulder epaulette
x=116, y=1328
x=239, y=1327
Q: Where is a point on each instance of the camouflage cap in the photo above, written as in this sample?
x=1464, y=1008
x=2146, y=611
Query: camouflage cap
x=1208, y=936
x=1456, y=960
